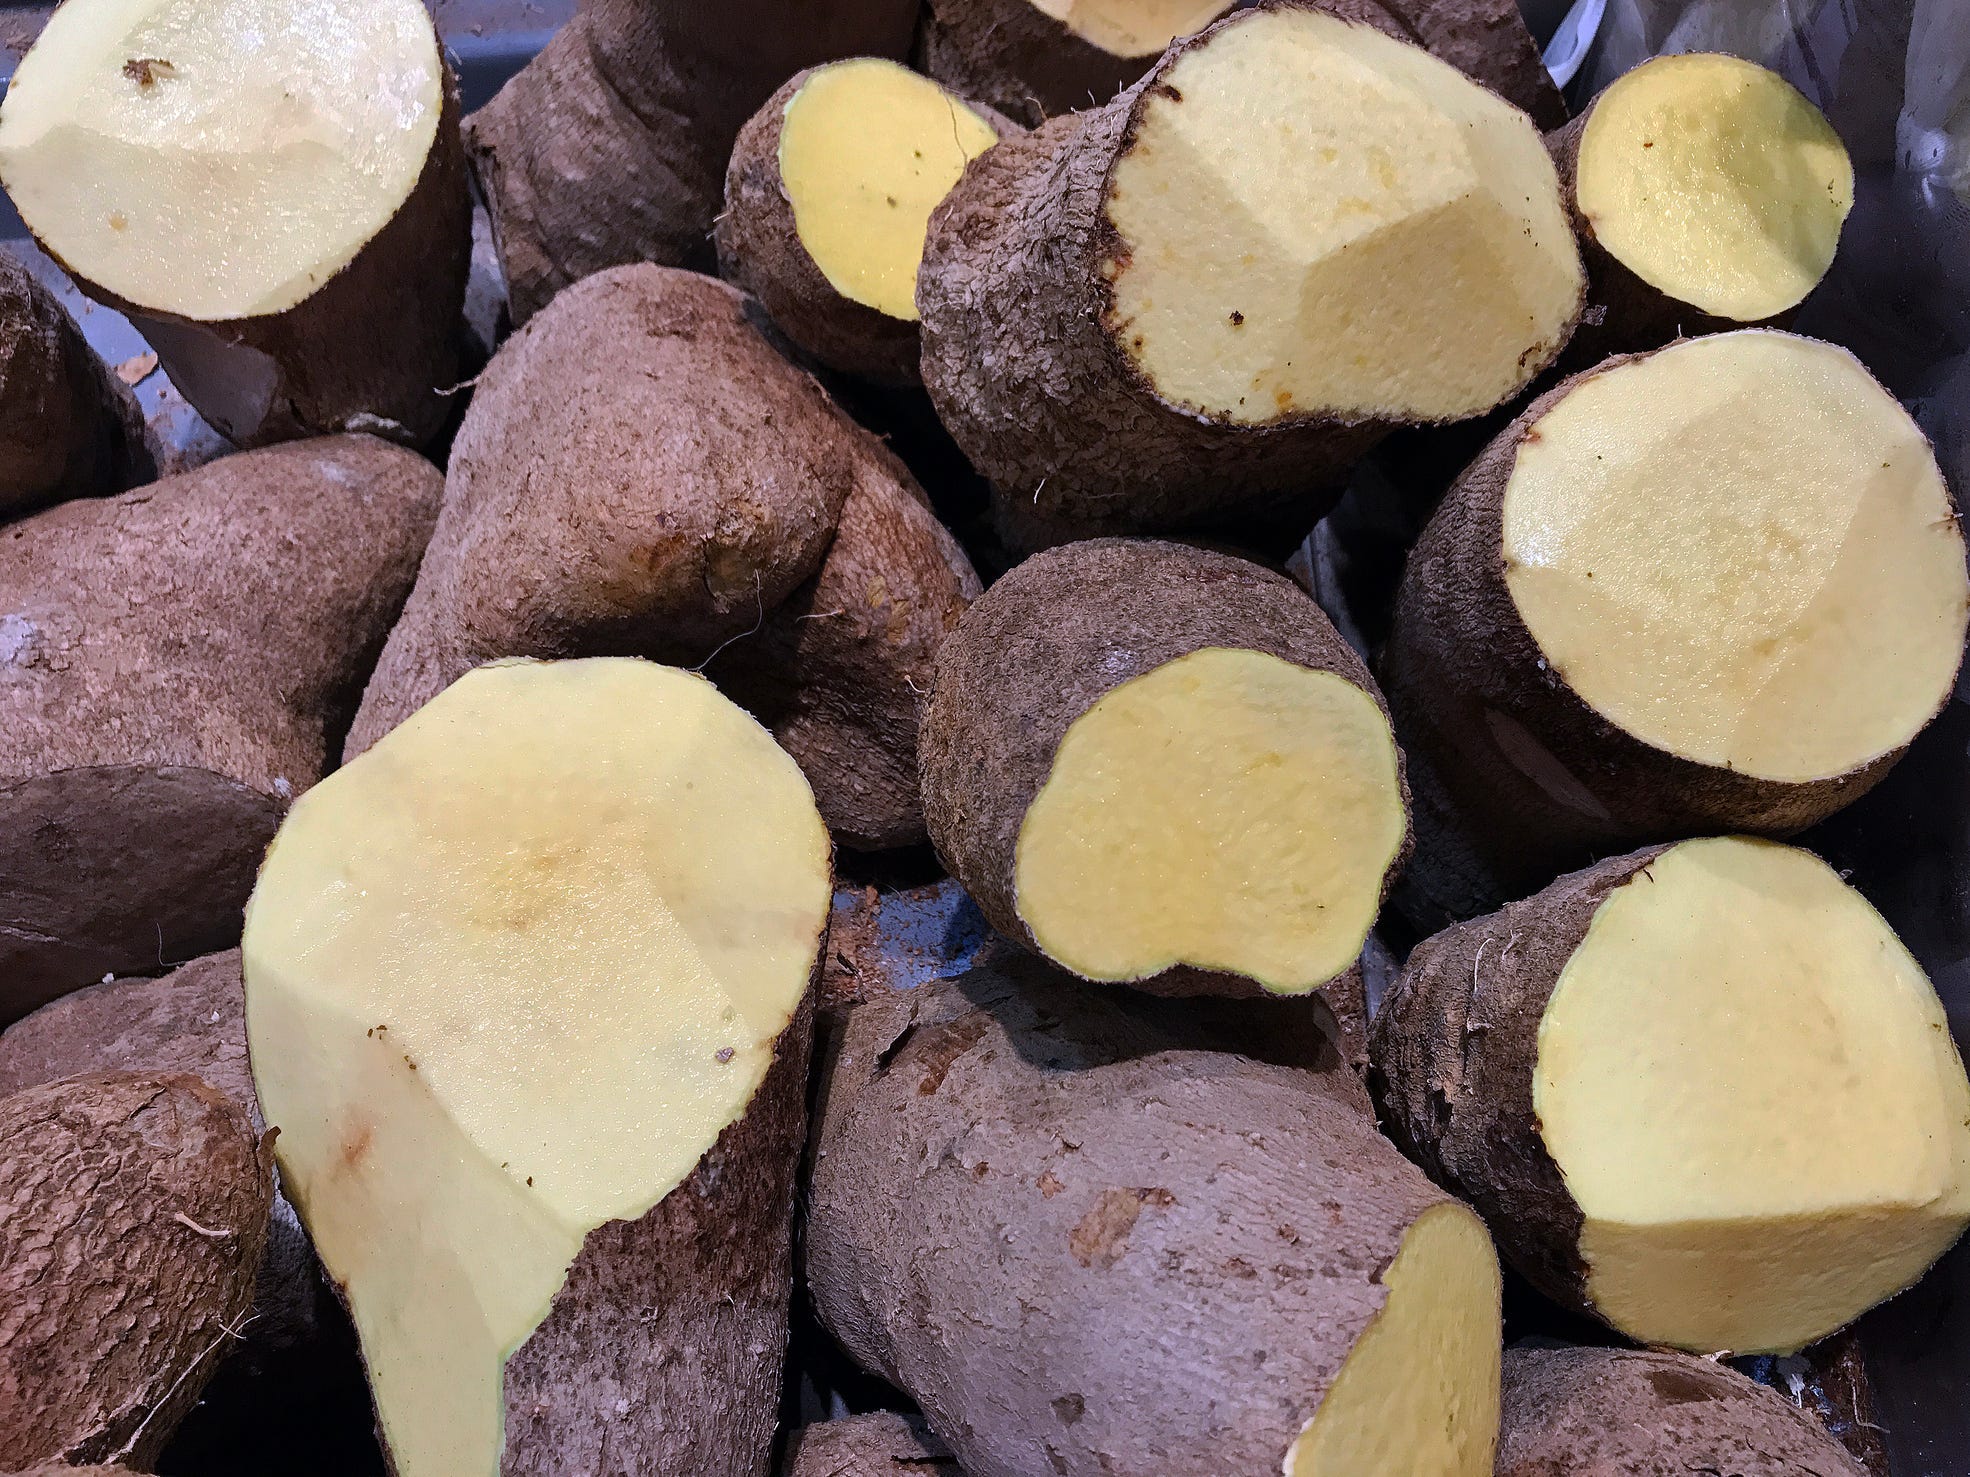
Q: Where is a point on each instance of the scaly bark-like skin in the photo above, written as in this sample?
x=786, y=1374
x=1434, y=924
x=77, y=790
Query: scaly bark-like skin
x=880, y=1444
x=1043, y=645
x=132, y=1214
x=174, y=665
x=610, y=146
x=68, y=427
x=1626, y=1413
x=1094, y=1253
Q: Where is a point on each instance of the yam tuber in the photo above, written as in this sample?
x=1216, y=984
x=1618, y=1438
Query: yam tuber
x=879, y=1444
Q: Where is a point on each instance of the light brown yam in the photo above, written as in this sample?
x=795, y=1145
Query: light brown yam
x=68, y=427
x=143, y=1195
x=610, y=147
x=1569, y=1412
x=879, y=1444
x=177, y=662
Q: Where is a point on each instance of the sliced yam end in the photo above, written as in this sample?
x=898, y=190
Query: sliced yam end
x=1132, y=28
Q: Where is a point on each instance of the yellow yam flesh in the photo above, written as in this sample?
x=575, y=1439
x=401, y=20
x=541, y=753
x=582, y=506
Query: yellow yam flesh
x=1317, y=219
x=867, y=150
x=1741, y=551
x=1132, y=28
x=1751, y=1091
x=1716, y=182
x=219, y=159
x=1228, y=810
x=509, y=974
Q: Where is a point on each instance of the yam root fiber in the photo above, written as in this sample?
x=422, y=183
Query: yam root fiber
x=640, y=473
x=1160, y=765
x=610, y=147
x=177, y=661
x=319, y=285
x=1117, y=307
x=1218, y=1265
x=1580, y=654
x=531, y=975
x=1640, y=1414
x=879, y=1444
x=69, y=427
x=1701, y=1092
x=827, y=199
x=145, y=1195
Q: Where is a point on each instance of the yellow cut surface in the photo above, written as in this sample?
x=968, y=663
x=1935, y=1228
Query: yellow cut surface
x=219, y=159
x=1741, y=551
x=1716, y=182
x=508, y=976
x=1229, y=810
x=1132, y=27
x=1317, y=219
x=867, y=150
x=1751, y=1091
x=1418, y=1394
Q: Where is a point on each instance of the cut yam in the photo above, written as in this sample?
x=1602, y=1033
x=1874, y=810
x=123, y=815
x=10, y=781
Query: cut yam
x=133, y=1209
x=1701, y=1092
x=178, y=659
x=530, y=1017
x=880, y=1444
x=69, y=427
x=1708, y=194
x=610, y=146
x=318, y=284
x=1157, y=765
x=827, y=199
x=1620, y=625
x=1489, y=42
x=1568, y=1411
x=1217, y=1265
x=1153, y=317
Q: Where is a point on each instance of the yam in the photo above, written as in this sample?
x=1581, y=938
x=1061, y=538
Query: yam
x=1591, y=656
x=526, y=998
x=1489, y=42
x=610, y=146
x=880, y=1444
x=176, y=663
x=1159, y=765
x=1117, y=307
x=1700, y=1092
x=1101, y=1253
x=132, y=1213
x=318, y=284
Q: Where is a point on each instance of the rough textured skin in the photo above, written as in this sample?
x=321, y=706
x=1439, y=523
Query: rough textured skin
x=610, y=146
x=662, y=1354
x=880, y=1444
x=68, y=426
x=174, y=665
x=1626, y=1413
x=375, y=349
x=1488, y=41
x=1533, y=780
x=1190, y=1238
x=1048, y=640
x=841, y=670
x=132, y=1213
x=1453, y=1052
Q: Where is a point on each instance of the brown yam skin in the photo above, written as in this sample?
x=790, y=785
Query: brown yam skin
x=663, y=1351
x=1162, y=1213
x=132, y=1213
x=68, y=427
x=375, y=349
x=175, y=664
x=1629, y=1413
x=1453, y=1053
x=880, y=1444
x=610, y=147
x=1042, y=646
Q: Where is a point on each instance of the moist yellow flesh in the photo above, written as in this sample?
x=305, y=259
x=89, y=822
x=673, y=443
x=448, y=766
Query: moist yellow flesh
x=1741, y=551
x=1752, y=1093
x=508, y=975
x=1418, y=1394
x=1131, y=27
x=1315, y=218
x=1228, y=810
x=219, y=159
x=1715, y=181
x=867, y=150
